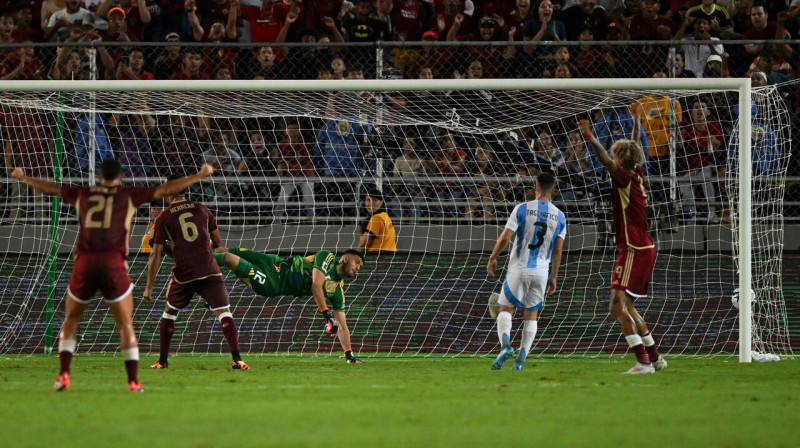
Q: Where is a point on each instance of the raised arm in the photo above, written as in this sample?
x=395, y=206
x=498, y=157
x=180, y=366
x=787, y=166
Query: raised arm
x=599, y=150
x=230, y=26
x=502, y=242
x=40, y=185
x=175, y=186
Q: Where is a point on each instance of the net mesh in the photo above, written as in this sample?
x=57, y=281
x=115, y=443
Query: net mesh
x=292, y=168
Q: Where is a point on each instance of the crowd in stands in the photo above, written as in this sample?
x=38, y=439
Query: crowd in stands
x=346, y=147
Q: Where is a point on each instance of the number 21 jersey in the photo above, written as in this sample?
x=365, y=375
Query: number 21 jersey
x=105, y=214
x=537, y=225
x=188, y=226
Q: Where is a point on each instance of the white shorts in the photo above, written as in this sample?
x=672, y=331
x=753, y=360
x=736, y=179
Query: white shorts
x=524, y=290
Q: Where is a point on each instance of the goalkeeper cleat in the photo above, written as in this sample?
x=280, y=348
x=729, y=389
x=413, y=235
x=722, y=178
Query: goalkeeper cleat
x=62, y=382
x=505, y=353
x=660, y=363
x=239, y=365
x=640, y=369
x=160, y=365
x=134, y=386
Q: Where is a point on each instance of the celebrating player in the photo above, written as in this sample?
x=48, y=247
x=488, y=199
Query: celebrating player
x=637, y=253
x=190, y=229
x=105, y=215
x=540, y=228
x=322, y=275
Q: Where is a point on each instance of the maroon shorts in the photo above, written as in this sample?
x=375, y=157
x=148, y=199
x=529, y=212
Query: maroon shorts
x=106, y=272
x=633, y=271
x=211, y=288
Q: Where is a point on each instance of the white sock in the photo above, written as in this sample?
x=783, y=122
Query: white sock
x=130, y=354
x=165, y=315
x=648, y=340
x=529, y=328
x=67, y=345
x=504, y=327
x=633, y=340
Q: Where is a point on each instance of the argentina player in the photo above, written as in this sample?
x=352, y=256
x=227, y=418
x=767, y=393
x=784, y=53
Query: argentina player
x=538, y=228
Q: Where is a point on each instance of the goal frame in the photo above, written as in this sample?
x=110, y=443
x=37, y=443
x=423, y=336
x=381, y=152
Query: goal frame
x=742, y=85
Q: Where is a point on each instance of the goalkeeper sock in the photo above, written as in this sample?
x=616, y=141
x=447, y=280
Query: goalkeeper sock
x=529, y=328
x=166, y=328
x=231, y=335
x=650, y=346
x=65, y=349
x=635, y=343
x=504, y=327
x=131, y=357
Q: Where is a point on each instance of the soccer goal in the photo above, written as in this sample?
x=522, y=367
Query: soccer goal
x=451, y=158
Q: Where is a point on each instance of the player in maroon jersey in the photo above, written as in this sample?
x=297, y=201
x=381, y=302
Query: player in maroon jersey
x=105, y=212
x=192, y=232
x=637, y=253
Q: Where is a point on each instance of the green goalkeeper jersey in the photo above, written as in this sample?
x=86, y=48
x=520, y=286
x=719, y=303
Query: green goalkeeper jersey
x=270, y=275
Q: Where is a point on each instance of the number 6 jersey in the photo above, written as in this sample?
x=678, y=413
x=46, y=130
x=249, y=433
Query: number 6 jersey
x=188, y=226
x=537, y=225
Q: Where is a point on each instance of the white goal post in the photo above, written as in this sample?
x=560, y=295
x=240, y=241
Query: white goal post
x=739, y=85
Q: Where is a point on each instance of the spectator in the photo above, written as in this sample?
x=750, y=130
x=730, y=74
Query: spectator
x=224, y=158
x=23, y=16
x=181, y=140
x=337, y=144
x=135, y=13
x=716, y=66
x=656, y=118
x=517, y=18
x=22, y=64
x=718, y=17
x=266, y=21
x=170, y=61
x=295, y=162
x=257, y=161
x=47, y=10
x=219, y=31
x=411, y=194
x=60, y=20
x=444, y=16
x=116, y=32
x=440, y=61
x=584, y=13
x=544, y=28
x=702, y=144
x=338, y=68
x=591, y=61
x=82, y=136
x=192, y=62
x=580, y=161
x=314, y=14
x=776, y=69
x=758, y=79
x=648, y=26
x=304, y=62
x=130, y=132
x=131, y=67
x=408, y=17
x=696, y=56
x=481, y=167
x=449, y=161
x=265, y=66
x=363, y=28
x=29, y=144
x=489, y=30
x=679, y=70
x=618, y=124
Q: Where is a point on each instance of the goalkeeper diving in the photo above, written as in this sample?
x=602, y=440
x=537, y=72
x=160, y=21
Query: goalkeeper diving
x=321, y=275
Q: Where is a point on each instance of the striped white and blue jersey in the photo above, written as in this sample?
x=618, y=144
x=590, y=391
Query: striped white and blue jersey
x=537, y=225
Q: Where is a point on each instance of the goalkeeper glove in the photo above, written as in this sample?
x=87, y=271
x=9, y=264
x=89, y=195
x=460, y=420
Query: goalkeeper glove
x=352, y=359
x=331, y=327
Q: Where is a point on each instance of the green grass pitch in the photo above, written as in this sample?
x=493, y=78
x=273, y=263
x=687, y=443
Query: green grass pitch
x=293, y=401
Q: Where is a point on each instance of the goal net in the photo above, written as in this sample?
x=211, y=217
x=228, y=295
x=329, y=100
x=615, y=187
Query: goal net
x=451, y=159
